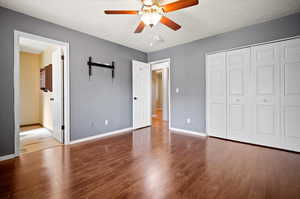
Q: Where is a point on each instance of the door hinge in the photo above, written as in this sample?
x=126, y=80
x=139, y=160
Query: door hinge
x=62, y=57
x=62, y=127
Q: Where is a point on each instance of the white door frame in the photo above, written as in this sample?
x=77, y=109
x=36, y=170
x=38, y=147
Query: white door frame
x=65, y=47
x=168, y=66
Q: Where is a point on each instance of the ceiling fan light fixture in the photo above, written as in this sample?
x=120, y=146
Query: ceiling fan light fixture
x=151, y=19
x=148, y=2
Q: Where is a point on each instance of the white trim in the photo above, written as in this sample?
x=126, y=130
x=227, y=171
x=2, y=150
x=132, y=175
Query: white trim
x=16, y=92
x=161, y=61
x=7, y=157
x=162, y=64
x=253, y=45
x=175, y=130
x=205, y=94
x=102, y=135
x=65, y=46
x=168, y=60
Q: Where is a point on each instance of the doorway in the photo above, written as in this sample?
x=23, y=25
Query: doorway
x=151, y=94
x=160, y=92
x=41, y=93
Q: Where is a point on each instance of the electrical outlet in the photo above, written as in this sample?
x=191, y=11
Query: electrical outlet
x=106, y=122
x=188, y=120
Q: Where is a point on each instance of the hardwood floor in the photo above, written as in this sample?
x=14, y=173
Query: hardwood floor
x=153, y=163
x=36, y=138
x=30, y=127
x=157, y=120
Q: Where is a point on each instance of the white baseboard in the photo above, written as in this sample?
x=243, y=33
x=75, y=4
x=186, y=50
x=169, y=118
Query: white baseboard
x=188, y=132
x=101, y=135
x=7, y=157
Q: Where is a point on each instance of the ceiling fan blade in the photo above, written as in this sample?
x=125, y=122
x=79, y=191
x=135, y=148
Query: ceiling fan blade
x=140, y=27
x=177, y=5
x=168, y=22
x=121, y=12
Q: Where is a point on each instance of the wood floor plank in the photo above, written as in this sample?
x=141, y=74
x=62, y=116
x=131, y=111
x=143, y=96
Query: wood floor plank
x=153, y=163
x=36, y=138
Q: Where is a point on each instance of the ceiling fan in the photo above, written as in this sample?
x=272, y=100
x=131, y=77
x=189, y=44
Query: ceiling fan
x=153, y=12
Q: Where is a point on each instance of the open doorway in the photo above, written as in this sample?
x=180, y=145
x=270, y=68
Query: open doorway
x=40, y=90
x=160, y=92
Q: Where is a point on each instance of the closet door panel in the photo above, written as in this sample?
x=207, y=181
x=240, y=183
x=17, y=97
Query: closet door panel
x=290, y=69
x=266, y=95
x=238, y=63
x=216, y=95
x=237, y=118
x=265, y=126
x=236, y=81
x=265, y=80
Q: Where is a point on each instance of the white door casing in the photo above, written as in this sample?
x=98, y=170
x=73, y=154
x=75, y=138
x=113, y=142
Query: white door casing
x=266, y=95
x=238, y=98
x=216, y=95
x=57, y=67
x=65, y=47
x=290, y=100
x=141, y=91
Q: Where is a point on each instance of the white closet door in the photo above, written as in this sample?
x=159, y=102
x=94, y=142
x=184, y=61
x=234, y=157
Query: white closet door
x=290, y=70
x=216, y=95
x=266, y=95
x=238, y=77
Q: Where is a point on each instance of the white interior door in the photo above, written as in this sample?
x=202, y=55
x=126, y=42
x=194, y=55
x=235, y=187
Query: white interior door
x=57, y=67
x=290, y=78
x=216, y=95
x=239, y=107
x=141, y=90
x=266, y=95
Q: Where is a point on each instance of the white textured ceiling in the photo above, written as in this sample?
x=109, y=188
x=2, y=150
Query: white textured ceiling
x=33, y=46
x=209, y=18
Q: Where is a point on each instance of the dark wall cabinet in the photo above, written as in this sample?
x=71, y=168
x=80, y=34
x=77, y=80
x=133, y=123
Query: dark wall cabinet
x=46, y=78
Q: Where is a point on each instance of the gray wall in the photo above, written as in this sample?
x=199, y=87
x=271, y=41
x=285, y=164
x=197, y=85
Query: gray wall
x=103, y=98
x=91, y=101
x=188, y=66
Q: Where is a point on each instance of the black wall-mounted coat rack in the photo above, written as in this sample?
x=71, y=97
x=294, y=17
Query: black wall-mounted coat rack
x=90, y=64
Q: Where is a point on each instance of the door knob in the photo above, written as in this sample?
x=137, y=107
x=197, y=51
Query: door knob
x=51, y=99
x=135, y=98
